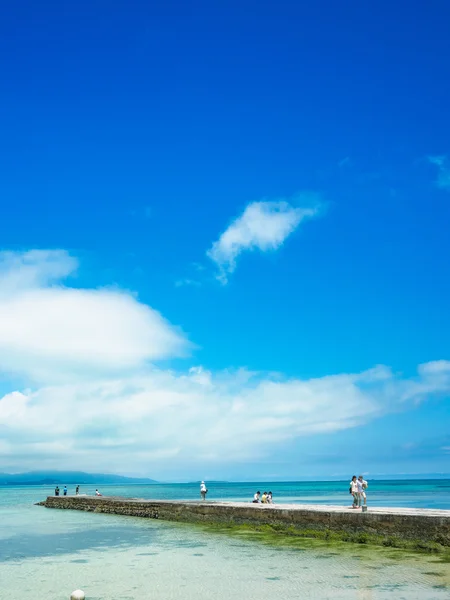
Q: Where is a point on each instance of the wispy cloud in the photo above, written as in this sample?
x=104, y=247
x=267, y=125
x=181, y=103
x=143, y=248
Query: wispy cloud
x=344, y=162
x=195, y=278
x=263, y=226
x=443, y=165
x=145, y=212
x=198, y=266
x=187, y=281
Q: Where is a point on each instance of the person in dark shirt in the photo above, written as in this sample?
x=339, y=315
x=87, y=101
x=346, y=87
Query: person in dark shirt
x=56, y=491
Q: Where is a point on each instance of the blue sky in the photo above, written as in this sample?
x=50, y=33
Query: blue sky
x=225, y=238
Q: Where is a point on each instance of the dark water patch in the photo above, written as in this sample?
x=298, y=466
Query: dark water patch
x=185, y=544
x=198, y=554
x=432, y=573
x=79, y=561
x=54, y=544
x=147, y=554
x=444, y=558
x=273, y=578
x=351, y=576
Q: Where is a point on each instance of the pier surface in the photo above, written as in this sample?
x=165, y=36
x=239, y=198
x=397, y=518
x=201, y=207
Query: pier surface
x=419, y=524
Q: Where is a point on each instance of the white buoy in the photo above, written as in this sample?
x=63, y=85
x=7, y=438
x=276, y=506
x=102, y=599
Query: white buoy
x=77, y=595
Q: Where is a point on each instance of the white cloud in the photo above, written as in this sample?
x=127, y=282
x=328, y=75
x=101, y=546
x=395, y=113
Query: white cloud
x=170, y=424
x=187, y=281
x=263, y=226
x=47, y=327
x=443, y=178
x=93, y=402
x=20, y=271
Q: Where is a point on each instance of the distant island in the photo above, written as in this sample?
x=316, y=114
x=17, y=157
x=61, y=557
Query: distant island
x=67, y=477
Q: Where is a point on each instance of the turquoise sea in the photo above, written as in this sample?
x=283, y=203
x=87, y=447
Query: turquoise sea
x=47, y=553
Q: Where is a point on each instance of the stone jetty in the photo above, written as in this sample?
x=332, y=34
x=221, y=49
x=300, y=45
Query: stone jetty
x=419, y=525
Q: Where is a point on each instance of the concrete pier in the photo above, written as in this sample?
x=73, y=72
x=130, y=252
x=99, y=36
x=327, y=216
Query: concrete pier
x=425, y=525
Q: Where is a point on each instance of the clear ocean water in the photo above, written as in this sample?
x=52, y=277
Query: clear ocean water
x=48, y=553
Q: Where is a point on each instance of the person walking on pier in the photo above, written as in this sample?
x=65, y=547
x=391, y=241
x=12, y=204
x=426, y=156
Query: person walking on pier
x=203, y=490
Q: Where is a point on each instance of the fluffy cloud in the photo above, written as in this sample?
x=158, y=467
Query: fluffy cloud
x=263, y=226
x=93, y=401
x=47, y=328
x=443, y=178
x=172, y=424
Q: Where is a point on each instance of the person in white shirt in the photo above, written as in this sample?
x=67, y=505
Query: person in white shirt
x=354, y=492
x=362, y=486
x=256, y=497
x=203, y=490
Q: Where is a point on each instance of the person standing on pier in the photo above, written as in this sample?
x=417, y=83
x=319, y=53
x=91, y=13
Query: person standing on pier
x=354, y=492
x=362, y=486
x=203, y=490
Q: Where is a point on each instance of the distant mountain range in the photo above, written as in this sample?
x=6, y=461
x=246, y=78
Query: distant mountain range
x=66, y=477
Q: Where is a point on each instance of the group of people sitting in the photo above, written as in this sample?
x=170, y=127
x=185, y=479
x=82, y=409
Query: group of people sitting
x=266, y=498
x=357, y=489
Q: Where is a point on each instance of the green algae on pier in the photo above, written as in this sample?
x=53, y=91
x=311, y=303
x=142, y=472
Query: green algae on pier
x=290, y=537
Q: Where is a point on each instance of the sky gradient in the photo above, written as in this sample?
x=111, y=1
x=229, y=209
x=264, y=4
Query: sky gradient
x=225, y=238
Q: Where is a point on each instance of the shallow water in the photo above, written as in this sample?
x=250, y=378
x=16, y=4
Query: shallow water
x=112, y=557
